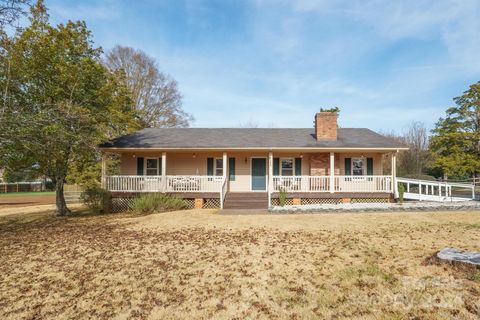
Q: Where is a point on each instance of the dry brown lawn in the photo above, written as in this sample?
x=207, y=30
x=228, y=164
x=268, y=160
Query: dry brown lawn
x=198, y=264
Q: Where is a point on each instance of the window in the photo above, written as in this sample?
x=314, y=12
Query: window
x=286, y=167
x=152, y=167
x=218, y=169
x=358, y=166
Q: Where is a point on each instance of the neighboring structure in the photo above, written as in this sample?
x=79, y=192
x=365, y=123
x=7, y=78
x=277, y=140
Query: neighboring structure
x=246, y=168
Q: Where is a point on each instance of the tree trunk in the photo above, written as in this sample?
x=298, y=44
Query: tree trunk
x=62, y=209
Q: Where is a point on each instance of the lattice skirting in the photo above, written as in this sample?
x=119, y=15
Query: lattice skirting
x=307, y=201
x=213, y=203
x=320, y=201
x=276, y=202
x=190, y=203
x=120, y=204
x=370, y=200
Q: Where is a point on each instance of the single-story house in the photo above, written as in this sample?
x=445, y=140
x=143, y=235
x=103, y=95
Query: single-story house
x=250, y=167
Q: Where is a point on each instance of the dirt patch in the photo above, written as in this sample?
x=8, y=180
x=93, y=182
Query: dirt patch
x=199, y=264
x=8, y=201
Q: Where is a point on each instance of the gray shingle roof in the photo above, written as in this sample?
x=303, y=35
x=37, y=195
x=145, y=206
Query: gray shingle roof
x=248, y=138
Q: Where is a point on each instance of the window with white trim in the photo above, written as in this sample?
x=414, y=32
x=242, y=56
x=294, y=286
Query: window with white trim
x=151, y=168
x=287, y=166
x=358, y=166
x=218, y=167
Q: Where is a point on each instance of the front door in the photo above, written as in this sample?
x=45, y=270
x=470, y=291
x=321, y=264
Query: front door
x=259, y=174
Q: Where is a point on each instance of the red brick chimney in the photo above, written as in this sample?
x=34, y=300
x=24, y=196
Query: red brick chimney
x=326, y=125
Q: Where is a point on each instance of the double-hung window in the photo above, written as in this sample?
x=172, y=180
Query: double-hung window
x=151, y=167
x=358, y=166
x=286, y=166
x=218, y=168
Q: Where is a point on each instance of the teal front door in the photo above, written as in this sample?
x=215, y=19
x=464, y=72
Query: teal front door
x=259, y=174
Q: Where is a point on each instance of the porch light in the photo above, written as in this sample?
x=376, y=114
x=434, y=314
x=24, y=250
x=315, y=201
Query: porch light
x=134, y=155
x=194, y=155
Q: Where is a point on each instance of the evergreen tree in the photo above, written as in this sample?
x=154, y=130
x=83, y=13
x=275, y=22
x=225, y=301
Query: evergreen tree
x=455, y=144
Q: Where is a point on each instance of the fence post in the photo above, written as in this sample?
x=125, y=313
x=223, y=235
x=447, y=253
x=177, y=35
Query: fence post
x=17, y=186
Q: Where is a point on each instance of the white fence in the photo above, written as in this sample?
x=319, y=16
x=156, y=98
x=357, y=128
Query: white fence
x=425, y=190
x=341, y=183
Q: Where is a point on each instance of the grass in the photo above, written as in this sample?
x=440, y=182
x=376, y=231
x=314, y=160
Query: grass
x=36, y=193
x=198, y=264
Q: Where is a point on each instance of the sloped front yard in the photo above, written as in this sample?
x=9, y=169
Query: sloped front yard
x=203, y=265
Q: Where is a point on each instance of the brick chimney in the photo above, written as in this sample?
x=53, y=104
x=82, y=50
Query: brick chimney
x=326, y=126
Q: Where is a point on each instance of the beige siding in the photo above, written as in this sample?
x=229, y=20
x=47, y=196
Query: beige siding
x=377, y=161
x=189, y=163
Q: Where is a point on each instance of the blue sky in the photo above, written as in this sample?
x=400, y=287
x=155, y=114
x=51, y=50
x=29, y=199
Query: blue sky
x=275, y=63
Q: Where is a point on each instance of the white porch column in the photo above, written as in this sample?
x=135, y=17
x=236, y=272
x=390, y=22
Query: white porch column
x=332, y=172
x=270, y=178
x=225, y=165
x=103, y=181
x=164, y=171
x=394, y=174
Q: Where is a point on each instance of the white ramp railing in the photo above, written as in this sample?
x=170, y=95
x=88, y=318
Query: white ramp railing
x=425, y=190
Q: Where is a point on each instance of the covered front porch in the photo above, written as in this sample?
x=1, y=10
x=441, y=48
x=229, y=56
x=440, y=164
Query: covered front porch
x=214, y=174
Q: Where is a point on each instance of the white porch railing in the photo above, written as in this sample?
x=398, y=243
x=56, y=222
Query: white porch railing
x=301, y=183
x=341, y=183
x=134, y=183
x=363, y=183
x=194, y=184
x=169, y=184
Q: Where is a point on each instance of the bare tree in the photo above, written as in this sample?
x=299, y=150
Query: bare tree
x=155, y=95
x=413, y=161
x=11, y=10
x=249, y=124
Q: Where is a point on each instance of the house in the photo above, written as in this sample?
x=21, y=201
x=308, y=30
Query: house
x=249, y=168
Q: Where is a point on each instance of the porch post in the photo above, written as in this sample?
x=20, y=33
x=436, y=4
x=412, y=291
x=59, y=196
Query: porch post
x=225, y=164
x=164, y=171
x=103, y=181
x=332, y=172
x=394, y=174
x=270, y=178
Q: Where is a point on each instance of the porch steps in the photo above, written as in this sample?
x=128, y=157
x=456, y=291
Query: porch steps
x=246, y=200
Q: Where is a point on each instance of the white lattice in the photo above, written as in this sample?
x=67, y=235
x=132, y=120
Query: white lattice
x=370, y=200
x=120, y=204
x=276, y=202
x=320, y=201
x=211, y=203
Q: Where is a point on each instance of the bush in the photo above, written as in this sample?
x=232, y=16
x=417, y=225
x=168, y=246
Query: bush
x=156, y=202
x=98, y=200
x=282, y=197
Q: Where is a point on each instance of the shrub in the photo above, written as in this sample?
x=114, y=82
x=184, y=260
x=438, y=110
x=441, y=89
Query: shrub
x=282, y=197
x=98, y=200
x=156, y=202
x=401, y=191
